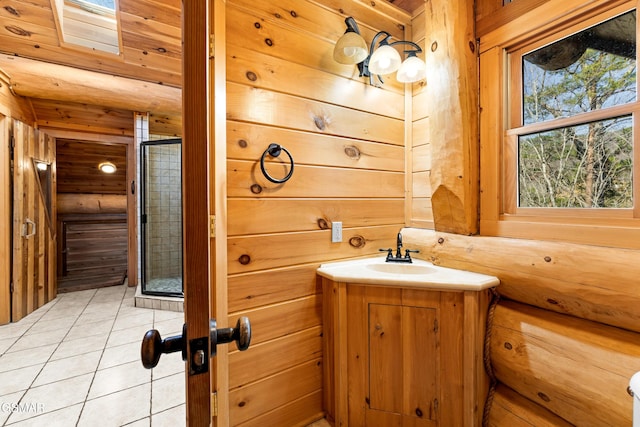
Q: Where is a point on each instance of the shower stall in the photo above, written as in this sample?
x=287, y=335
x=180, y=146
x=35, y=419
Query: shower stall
x=161, y=217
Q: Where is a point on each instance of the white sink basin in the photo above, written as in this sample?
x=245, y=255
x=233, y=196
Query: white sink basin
x=401, y=268
x=419, y=274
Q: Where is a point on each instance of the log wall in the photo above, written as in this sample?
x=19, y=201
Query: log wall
x=565, y=337
x=347, y=140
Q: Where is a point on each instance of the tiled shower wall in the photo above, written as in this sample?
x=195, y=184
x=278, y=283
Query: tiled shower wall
x=164, y=205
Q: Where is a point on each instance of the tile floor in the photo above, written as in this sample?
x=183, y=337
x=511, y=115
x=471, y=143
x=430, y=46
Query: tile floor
x=76, y=362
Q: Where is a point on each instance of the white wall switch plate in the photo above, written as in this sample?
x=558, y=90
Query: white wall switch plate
x=336, y=231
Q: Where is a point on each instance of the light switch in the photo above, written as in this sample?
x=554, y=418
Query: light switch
x=336, y=231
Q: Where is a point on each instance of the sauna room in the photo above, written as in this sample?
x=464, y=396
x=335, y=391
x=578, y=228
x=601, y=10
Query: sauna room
x=455, y=244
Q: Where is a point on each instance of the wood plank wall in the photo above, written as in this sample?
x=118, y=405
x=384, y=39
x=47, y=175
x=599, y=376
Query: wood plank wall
x=565, y=338
x=419, y=165
x=18, y=108
x=347, y=140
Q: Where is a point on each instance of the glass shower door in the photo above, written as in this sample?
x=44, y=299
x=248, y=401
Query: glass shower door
x=161, y=217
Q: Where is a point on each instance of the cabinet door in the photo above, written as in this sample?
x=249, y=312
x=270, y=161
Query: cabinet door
x=394, y=371
x=403, y=361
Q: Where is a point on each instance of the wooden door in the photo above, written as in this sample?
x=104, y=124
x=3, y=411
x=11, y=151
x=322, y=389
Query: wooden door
x=204, y=178
x=34, y=237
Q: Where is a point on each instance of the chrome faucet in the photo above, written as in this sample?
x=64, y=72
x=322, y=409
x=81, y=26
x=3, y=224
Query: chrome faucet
x=398, y=256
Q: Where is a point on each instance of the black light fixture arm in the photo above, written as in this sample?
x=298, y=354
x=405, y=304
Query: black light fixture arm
x=415, y=51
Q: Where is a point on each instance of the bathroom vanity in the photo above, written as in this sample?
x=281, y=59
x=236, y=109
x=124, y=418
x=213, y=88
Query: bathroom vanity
x=403, y=344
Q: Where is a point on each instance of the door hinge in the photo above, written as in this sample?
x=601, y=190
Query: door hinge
x=212, y=46
x=11, y=287
x=214, y=404
x=12, y=145
x=435, y=326
x=212, y=225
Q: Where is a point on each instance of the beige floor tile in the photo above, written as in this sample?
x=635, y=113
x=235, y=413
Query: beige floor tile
x=129, y=335
x=5, y=343
x=56, y=395
x=14, y=330
x=114, y=356
x=160, y=315
x=167, y=392
x=140, y=317
x=65, y=417
x=37, y=340
x=18, y=379
x=174, y=417
x=169, y=327
x=89, y=329
x=80, y=346
x=92, y=316
x=145, y=422
x=117, y=409
x=69, y=367
x=110, y=307
x=23, y=358
x=169, y=364
x=52, y=325
x=9, y=399
x=118, y=378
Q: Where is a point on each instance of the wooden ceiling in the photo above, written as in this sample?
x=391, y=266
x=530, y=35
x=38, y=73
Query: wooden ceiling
x=150, y=54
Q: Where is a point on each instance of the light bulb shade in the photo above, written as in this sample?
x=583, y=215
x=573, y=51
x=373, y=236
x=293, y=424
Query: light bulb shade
x=385, y=60
x=412, y=70
x=350, y=49
x=107, y=167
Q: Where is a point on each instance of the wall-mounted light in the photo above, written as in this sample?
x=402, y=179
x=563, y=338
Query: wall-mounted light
x=41, y=166
x=352, y=49
x=107, y=167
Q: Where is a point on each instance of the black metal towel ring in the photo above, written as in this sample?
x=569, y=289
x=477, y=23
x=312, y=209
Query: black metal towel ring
x=274, y=150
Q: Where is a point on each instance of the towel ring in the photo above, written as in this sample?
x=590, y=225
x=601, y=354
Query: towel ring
x=274, y=150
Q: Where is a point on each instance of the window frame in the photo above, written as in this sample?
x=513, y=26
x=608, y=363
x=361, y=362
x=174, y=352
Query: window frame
x=501, y=124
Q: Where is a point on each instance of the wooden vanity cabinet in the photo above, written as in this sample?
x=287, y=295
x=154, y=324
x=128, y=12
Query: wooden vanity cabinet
x=403, y=357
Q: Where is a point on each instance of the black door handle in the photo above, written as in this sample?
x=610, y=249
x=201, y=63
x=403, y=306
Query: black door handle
x=153, y=346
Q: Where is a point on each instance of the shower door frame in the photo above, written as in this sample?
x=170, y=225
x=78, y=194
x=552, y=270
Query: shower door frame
x=143, y=219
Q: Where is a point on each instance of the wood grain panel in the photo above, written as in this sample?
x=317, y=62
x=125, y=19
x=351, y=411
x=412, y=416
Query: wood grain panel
x=594, y=283
x=421, y=158
x=295, y=45
x=265, y=287
x=266, y=107
x=274, y=356
x=78, y=168
x=422, y=185
x=249, y=141
x=258, y=398
x=576, y=368
x=5, y=216
x=304, y=410
x=278, y=320
x=268, y=72
x=306, y=180
x=385, y=357
x=251, y=216
x=34, y=233
x=514, y=410
x=67, y=115
x=279, y=250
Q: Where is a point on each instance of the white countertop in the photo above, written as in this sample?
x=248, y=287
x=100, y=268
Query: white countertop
x=418, y=274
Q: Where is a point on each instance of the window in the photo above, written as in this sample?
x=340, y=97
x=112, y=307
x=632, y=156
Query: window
x=588, y=164
x=88, y=23
x=563, y=142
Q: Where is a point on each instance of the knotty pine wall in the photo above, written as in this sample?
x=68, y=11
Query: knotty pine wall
x=419, y=213
x=347, y=139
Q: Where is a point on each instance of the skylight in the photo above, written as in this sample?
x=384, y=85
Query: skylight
x=89, y=23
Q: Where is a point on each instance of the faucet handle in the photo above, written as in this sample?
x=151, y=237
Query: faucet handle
x=408, y=252
x=389, y=252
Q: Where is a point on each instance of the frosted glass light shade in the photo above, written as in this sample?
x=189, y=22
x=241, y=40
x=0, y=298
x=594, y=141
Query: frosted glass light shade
x=350, y=49
x=412, y=70
x=385, y=60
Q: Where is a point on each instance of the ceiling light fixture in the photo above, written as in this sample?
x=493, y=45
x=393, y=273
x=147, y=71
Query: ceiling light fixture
x=107, y=167
x=351, y=49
